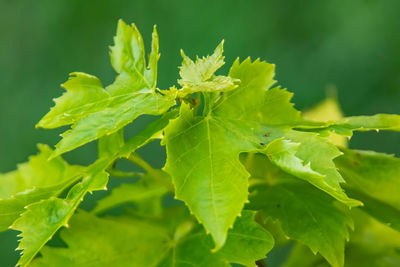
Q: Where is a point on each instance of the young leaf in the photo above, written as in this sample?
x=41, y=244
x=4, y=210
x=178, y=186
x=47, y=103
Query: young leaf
x=200, y=76
x=99, y=112
x=34, y=180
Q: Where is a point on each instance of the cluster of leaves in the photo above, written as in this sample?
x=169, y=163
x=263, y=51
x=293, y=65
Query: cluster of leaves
x=251, y=170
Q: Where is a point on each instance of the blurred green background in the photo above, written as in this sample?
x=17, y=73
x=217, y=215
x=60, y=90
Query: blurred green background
x=351, y=45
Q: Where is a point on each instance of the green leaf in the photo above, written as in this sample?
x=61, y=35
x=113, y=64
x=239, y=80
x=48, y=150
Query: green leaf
x=151, y=131
x=347, y=125
x=313, y=154
x=128, y=55
x=178, y=241
x=42, y=219
x=84, y=95
x=301, y=256
x=128, y=59
x=34, y=180
x=203, y=151
x=319, y=153
x=200, y=76
x=100, y=242
x=380, y=210
x=307, y=215
x=247, y=241
x=371, y=244
x=283, y=153
x=48, y=212
x=374, y=178
x=113, y=118
x=140, y=193
x=248, y=99
x=201, y=155
x=110, y=144
x=368, y=123
x=38, y=224
x=95, y=112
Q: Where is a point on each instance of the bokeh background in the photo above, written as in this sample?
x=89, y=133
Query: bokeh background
x=351, y=45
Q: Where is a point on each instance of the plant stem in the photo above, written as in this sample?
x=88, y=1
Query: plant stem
x=122, y=174
x=155, y=174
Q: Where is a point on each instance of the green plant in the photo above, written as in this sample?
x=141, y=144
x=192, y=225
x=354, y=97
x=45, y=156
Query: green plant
x=247, y=165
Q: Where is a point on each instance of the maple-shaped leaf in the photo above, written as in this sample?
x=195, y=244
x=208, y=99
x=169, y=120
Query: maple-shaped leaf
x=34, y=180
x=373, y=178
x=94, y=111
x=179, y=241
x=203, y=150
x=272, y=112
x=305, y=213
